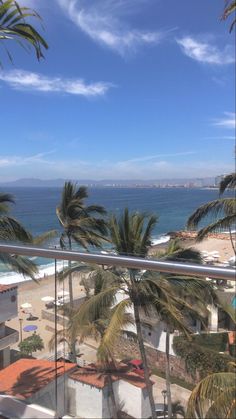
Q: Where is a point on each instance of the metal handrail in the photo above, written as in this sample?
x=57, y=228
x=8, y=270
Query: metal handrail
x=123, y=261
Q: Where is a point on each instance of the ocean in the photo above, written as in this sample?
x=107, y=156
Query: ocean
x=35, y=209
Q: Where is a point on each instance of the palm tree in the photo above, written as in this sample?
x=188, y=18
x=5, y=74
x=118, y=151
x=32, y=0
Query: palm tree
x=12, y=231
x=15, y=27
x=142, y=291
x=214, y=397
x=229, y=9
x=79, y=222
x=104, y=322
x=224, y=207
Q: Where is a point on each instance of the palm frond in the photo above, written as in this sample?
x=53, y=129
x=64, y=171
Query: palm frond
x=118, y=321
x=14, y=27
x=214, y=390
x=220, y=225
x=12, y=230
x=5, y=199
x=45, y=237
x=228, y=182
x=226, y=206
x=19, y=264
x=91, y=308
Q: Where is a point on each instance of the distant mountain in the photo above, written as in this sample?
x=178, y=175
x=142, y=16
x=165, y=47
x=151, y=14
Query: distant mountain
x=34, y=183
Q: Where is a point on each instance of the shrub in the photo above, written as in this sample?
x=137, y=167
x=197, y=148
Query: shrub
x=31, y=344
x=200, y=358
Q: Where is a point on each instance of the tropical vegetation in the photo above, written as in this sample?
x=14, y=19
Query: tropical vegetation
x=31, y=344
x=79, y=222
x=222, y=210
x=12, y=231
x=214, y=397
x=167, y=297
x=229, y=10
x=15, y=26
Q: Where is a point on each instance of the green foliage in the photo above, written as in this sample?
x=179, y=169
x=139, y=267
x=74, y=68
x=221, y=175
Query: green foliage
x=214, y=341
x=15, y=26
x=222, y=210
x=12, y=231
x=200, y=358
x=31, y=344
x=229, y=10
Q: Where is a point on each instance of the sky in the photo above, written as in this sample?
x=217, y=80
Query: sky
x=128, y=89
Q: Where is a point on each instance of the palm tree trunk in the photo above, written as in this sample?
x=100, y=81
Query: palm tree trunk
x=70, y=278
x=73, y=342
x=168, y=390
x=113, y=400
x=232, y=240
x=144, y=359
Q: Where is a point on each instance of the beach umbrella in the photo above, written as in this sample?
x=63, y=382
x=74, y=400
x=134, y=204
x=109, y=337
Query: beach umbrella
x=30, y=328
x=47, y=299
x=62, y=293
x=26, y=305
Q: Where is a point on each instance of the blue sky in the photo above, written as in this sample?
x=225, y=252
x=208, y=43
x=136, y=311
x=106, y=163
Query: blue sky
x=129, y=89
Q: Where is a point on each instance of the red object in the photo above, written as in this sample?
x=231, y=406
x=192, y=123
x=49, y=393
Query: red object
x=137, y=365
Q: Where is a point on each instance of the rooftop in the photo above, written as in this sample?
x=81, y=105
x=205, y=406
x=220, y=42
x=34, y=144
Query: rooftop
x=25, y=377
x=91, y=376
x=4, y=288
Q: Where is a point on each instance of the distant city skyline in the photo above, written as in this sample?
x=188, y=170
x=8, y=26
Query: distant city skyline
x=135, y=89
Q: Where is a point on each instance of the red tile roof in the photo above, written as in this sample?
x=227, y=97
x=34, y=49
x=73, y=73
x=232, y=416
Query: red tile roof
x=4, y=288
x=91, y=376
x=25, y=377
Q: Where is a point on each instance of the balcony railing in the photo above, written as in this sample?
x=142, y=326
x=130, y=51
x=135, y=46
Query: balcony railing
x=123, y=261
x=10, y=337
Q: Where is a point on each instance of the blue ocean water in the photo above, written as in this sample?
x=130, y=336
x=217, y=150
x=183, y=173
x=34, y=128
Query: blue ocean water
x=35, y=208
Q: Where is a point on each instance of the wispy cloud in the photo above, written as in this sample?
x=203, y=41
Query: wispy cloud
x=156, y=157
x=206, y=52
x=227, y=121
x=223, y=137
x=24, y=80
x=43, y=166
x=103, y=22
x=13, y=161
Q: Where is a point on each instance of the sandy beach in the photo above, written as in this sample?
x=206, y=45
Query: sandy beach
x=32, y=292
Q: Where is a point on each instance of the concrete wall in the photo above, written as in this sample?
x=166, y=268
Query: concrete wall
x=213, y=318
x=8, y=305
x=132, y=400
x=46, y=397
x=88, y=400
x=14, y=409
x=156, y=337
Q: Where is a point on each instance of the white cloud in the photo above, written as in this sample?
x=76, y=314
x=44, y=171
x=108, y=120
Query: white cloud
x=227, y=121
x=24, y=80
x=13, y=161
x=205, y=52
x=102, y=21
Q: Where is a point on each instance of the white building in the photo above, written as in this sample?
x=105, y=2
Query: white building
x=89, y=393
x=35, y=385
x=32, y=382
x=8, y=310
